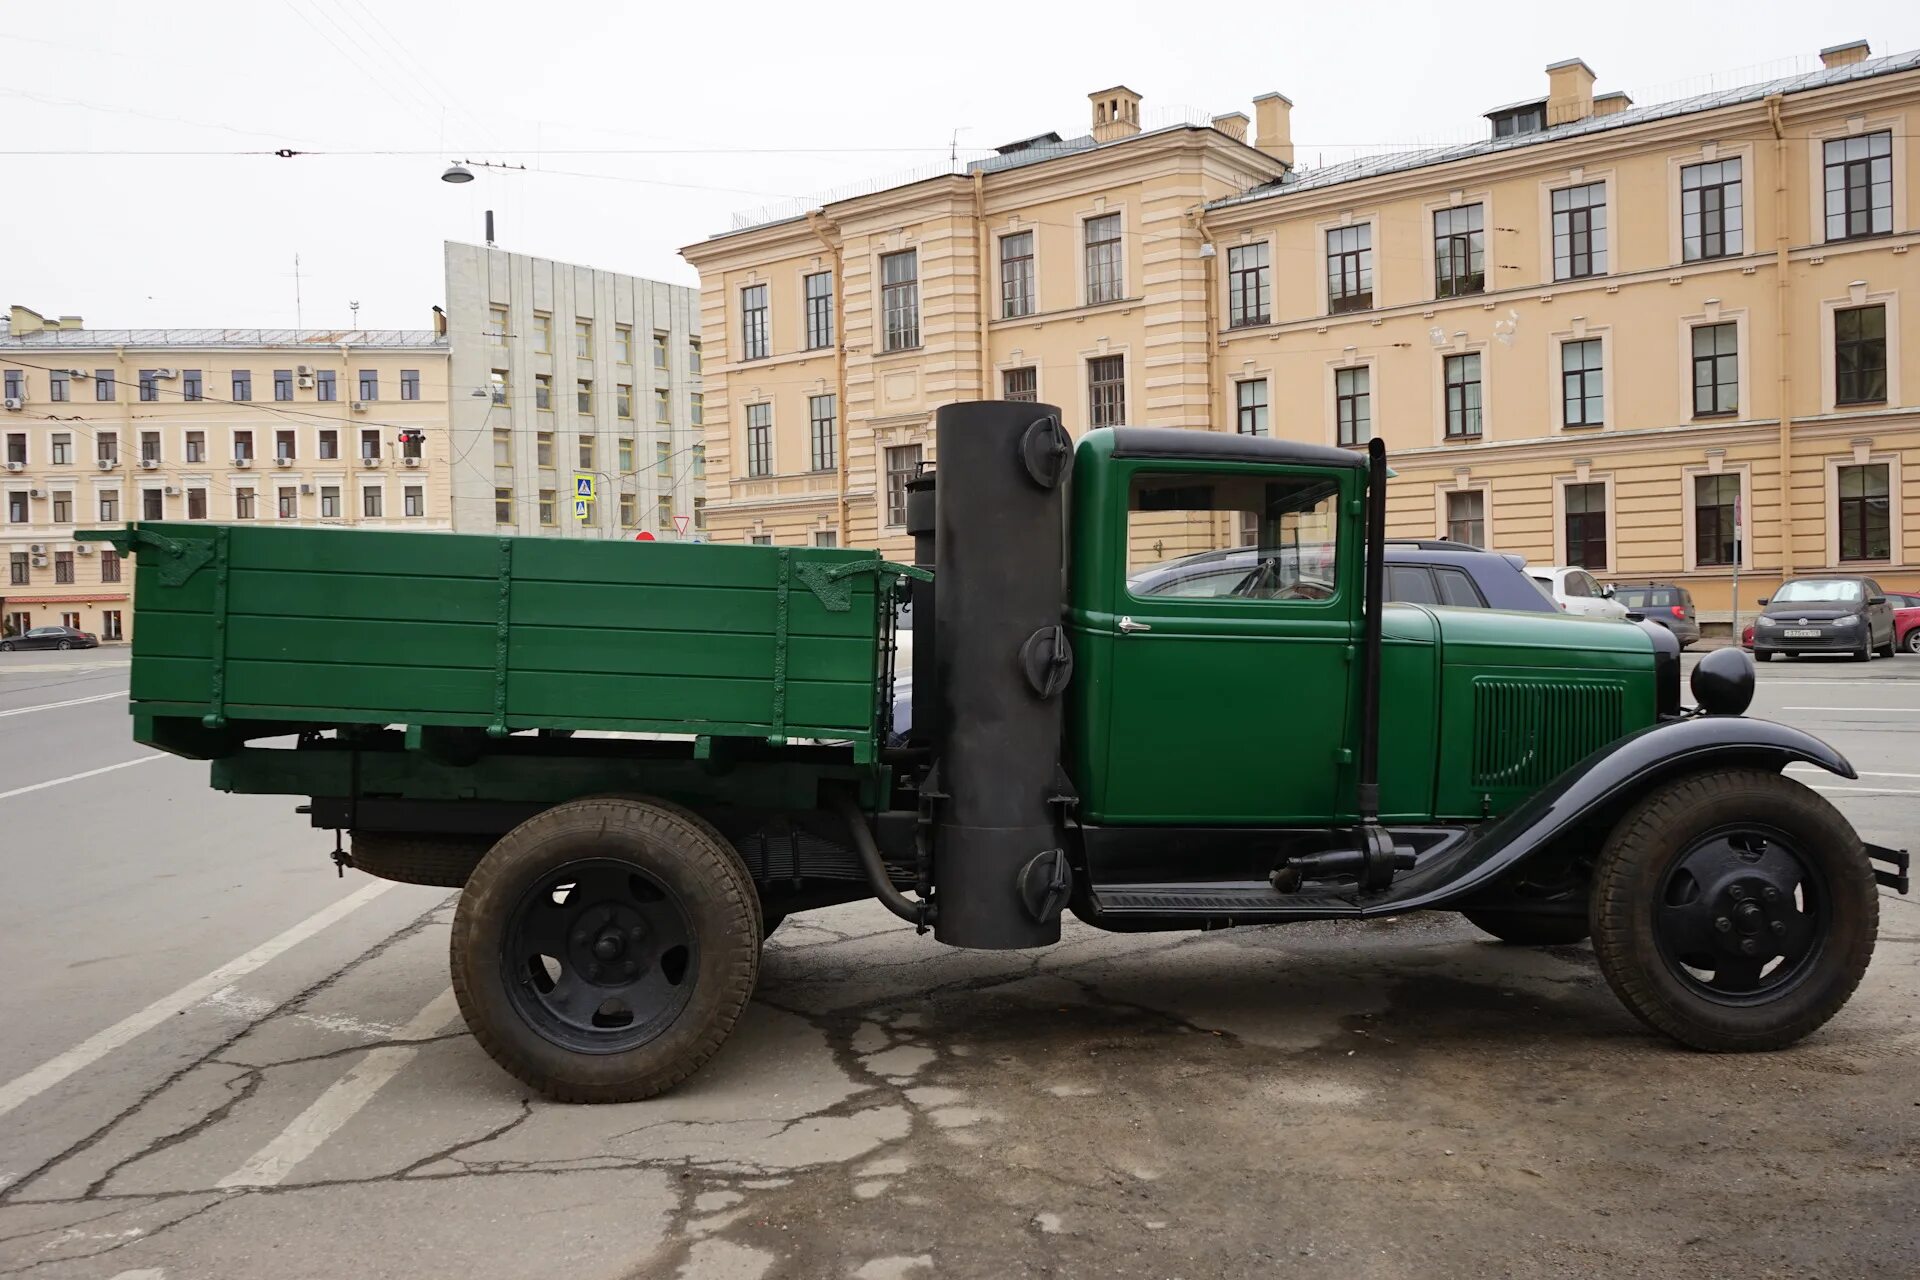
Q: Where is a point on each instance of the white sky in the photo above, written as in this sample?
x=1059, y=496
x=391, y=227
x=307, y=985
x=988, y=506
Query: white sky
x=203, y=240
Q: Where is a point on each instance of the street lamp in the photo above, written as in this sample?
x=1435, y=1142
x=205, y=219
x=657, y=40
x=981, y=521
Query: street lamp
x=457, y=173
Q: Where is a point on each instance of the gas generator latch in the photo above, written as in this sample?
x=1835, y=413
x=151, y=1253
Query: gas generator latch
x=1047, y=659
x=1045, y=884
x=1045, y=450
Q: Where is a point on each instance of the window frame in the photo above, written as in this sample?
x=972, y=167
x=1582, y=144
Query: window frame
x=1351, y=265
x=1716, y=362
x=1252, y=400
x=1564, y=508
x=1597, y=256
x=1106, y=396
x=822, y=432
x=1103, y=261
x=1583, y=385
x=896, y=479
x=756, y=337
x=1732, y=523
x=1697, y=247
x=818, y=310
x=1447, y=388
x=1840, y=499
x=1846, y=166
x=1249, y=285
x=1884, y=368
x=1448, y=245
x=758, y=450
x=1449, y=525
x=1028, y=394
x=900, y=302
x=1343, y=416
x=1019, y=283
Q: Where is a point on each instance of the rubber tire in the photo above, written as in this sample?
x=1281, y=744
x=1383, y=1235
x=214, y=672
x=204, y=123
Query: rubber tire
x=445, y=861
x=714, y=890
x=65, y=644
x=1522, y=929
x=1866, y=652
x=1888, y=650
x=1913, y=641
x=1634, y=862
x=713, y=833
x=6, y=646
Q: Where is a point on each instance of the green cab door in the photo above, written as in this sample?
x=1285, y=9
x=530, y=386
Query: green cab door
x=1223, y=644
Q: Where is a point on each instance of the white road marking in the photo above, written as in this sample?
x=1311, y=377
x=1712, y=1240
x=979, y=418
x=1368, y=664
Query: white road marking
x=19, y=668
x=1865, y=773
x=144, y=1273
x=1866, y=791
x=270, y=1165
x=98, y=1046
x=1898, y=711
x=70, y=702
x=90, y=773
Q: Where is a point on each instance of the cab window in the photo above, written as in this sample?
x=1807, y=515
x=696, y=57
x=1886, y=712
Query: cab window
x=1410, y=584
x=1206, y=536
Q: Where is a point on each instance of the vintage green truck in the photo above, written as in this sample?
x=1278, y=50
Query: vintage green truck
x=636, y=759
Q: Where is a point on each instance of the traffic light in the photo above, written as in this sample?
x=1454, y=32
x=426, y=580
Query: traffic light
x=412, y=436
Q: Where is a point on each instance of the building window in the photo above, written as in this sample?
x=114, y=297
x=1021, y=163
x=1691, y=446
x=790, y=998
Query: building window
x=623, y=400
x=821, y=429
x=243, y=446
x=413, y=443
x=329, y=502
x=1350, y=268
x=693, y=355
x=1710, y=214
x=1715, y=499
x=760, y=540
x=16, y=386
x=59, y=385
x=369, y=384
x=329, y=443
x=825, y=538
x=373, y=502
x=1860, y=355
x=63, y=448
x=153, y=504
x=283, y=384
x=549, y=507
x=149, y=388
x=497, y=386
x=150, y=447
x=1580, y=231
x=62, y=567
x=1459, y=251
x=759, y=439
x=753, y=322
x=1105, y=280
x=1467, y=517
x=543, y=449
x=19, y=570
x=409, y=384
x=110, y=626
x=1587, y=525
x=903, y=464
x=1859, y=186
x=543, y=332
x=698, y=465
x=1582, y=391
x=629, y=509
x=17, y=447
x=662, y=405
x=1716, y=370
x=1865, y=530
x=106, y=445
x=696, y=408
x=503, y=446
x=659, y=350
x=585, y=452
x=289, y=503
x=1107, y=391
x=1249, y=285
x=900, y=299
x=243, y=504
x=17, y=506
x=583, y=396
x=103, y=388
x=1353, y=404
x=1016, y=275
x=623, y=346
x=663, y=513
x=415, y=498
x=109, y=565
x=699, y=513
x=1250, y=407
x=242, y=385
x=323, y=386
x=497, y=326
x=190, y=385
x=624, y=452
x=819, y=293
x=1463, y=396
x=583, y=339
x=1020, y=384
x=1531, y=118
x=196, y=504
x=663, y=461
x=369, y=444
x=502, y=506
x=110, y=505
x=542, y=391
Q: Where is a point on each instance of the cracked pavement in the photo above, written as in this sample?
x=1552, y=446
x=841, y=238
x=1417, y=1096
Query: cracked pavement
x=1389, y=1099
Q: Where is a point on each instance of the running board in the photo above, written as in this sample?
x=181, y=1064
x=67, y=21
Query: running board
x=1227, y=904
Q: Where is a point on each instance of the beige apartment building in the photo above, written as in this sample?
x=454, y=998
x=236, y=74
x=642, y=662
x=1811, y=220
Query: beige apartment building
x=103, y=426
x=1599, y=336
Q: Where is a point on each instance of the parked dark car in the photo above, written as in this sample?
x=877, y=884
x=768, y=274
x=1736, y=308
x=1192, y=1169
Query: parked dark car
x=1417, y=572
x=51, y=638
x=1665, y=603
x=1847, y=615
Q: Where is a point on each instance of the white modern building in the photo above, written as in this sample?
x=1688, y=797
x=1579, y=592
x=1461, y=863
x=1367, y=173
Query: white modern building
x=561, y=371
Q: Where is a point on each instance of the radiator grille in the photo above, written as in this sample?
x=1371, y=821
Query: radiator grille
x=1528, y=732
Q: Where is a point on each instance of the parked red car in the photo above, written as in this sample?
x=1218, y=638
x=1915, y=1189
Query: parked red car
x=1906, y=623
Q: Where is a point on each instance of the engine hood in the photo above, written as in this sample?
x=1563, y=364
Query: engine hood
x=1812, y=612
x=1496, y=637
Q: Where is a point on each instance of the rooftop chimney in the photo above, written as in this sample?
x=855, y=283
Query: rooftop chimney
x=1233, y=124
x=1844, y=55
x=23, y=320
x=1607, y=104
x=1116, y=113
x=1569, y=92
x=1273, y=123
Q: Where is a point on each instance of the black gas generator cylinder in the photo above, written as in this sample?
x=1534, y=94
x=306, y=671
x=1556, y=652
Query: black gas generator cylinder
x=921, y=524
x=1001, y=665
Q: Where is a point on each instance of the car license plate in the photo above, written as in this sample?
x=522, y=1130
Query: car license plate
x=1794, y=634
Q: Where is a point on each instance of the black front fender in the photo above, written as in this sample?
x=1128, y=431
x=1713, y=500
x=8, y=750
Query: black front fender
x=1599, y=786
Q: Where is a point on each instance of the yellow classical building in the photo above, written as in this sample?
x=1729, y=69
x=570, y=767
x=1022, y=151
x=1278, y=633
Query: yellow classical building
x=1651, y=340
x=104, y=426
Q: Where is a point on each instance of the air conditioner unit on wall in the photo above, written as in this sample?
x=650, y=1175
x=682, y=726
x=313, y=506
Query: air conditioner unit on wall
x=16, y=466
x=306, y=488
x=369, y=462
x=38, y=548
x=149, y=464
x=16, y=403
x=306, y=381
x=39, y=562
x=283, y=462
x=413, y=462
x=166, y=373
x=84, y=548
x=303, y=370
x=36, y=493
x=243, y=463
x=107, y=464
x=359, y=406
x=171, y=492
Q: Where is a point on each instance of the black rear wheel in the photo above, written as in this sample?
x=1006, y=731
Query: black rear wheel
x=1530, y=929
x=1734, y=911
x=603, y=950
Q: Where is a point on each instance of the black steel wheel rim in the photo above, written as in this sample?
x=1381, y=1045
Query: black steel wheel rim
x=600, y=956
x=1742, y=915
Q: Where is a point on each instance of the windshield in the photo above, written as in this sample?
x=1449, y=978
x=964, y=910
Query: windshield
x=1819, y=591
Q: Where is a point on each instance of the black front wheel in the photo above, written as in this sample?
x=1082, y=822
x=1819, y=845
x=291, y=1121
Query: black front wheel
x=1734, y=911
x=66, y=644
x=603, y=950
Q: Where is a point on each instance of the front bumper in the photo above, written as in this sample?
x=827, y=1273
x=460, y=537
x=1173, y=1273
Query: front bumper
x=1895, y=874
x=1830, y=639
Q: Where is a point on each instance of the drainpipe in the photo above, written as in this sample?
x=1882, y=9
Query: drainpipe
x=986, y=282
x=1198, y=217
x=828, y=235
x=1783, y=298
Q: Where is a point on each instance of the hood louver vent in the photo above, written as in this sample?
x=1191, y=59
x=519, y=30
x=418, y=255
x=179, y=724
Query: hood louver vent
x=1529, y=732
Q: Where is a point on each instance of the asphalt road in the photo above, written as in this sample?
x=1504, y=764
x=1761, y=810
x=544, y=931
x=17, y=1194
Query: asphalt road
x=217, y=1059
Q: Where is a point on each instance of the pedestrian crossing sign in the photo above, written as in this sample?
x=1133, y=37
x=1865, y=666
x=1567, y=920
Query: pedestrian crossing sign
x=582, y=486
x=583, y=509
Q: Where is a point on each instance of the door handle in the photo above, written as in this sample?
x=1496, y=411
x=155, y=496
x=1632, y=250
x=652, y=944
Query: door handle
x=1129, y=626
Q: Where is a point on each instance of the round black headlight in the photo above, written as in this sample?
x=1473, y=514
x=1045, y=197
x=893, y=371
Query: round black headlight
x=1723, y=682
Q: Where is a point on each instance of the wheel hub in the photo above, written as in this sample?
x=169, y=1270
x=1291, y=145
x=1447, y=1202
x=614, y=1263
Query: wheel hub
x=1740, y=916
x=604, y=943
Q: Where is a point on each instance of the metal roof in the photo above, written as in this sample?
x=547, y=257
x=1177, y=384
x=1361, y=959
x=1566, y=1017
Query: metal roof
x=400, y=339
x=1401, y=161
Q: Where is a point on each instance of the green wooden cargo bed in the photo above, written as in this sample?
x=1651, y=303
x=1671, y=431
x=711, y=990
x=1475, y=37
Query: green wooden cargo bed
x=246, y=630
